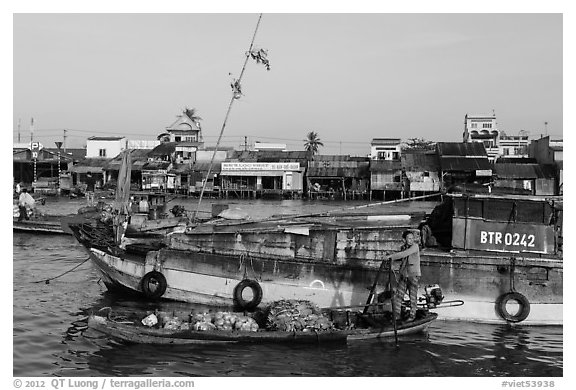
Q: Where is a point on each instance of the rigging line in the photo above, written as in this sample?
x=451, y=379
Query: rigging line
x=47, y=281
x=226, y=117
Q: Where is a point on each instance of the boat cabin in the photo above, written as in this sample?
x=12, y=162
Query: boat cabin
x=149, y=204
x=513, y=224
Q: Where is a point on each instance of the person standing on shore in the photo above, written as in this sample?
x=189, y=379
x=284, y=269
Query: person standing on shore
x=409, y=277
x=25, y=202
x=90, y=184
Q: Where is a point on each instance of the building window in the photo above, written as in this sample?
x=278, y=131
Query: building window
x=486, y=125
x=177, y=138
x=505, y=151
x=474, y=125
x=191, y=139
x=102, y=152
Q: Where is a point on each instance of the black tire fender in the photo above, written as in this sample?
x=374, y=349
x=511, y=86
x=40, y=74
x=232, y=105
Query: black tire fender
x=243, y=304
x=514, y=296
x=153, y=278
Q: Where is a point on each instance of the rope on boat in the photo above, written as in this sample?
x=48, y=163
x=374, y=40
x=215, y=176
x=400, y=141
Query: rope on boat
x=47, y=281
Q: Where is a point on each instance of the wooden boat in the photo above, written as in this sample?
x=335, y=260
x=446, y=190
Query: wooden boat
x=493, y=251
x=134, y=333
x=331, y=259
x=46, y=224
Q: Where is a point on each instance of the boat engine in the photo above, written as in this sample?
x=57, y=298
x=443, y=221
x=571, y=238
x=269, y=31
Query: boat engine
x=433, y=295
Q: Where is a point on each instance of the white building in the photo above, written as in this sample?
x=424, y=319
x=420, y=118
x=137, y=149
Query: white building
x=483, y=128
x=385, y=149
x=514, y=146
x=105, y=147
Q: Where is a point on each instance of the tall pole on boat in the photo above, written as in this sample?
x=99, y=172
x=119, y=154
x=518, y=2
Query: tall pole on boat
x=393, y=290
x=235, y=95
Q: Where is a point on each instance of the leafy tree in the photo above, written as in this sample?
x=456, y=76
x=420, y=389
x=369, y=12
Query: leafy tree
x=193, y=115
x=419, y=144
x=312, y=143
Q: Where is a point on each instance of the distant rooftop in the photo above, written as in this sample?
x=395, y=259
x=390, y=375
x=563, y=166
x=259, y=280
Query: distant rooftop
x=480, y=116
x=385, y=141
x=95, y=138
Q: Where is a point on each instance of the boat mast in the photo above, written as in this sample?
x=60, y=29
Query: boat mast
x=236, y=93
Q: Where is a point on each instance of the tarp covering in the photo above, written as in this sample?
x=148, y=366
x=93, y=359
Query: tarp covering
x=385, y=165
x=123, y=189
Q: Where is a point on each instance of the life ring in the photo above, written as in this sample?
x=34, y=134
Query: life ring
x=523, y=302
x=154, y=285
x=256, y=294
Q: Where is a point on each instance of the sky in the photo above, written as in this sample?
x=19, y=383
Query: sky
x=349, y=77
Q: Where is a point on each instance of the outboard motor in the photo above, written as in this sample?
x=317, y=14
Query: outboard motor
x=433, y=295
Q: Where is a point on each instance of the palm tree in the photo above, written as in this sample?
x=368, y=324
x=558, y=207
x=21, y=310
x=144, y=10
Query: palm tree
x=312, y=143
x=192, y=114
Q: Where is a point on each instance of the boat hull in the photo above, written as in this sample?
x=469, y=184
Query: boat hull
x=211, y=279
x=39, y=226
x=138, y=334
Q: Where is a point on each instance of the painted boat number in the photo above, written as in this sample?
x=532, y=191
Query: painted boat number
x=514, y=239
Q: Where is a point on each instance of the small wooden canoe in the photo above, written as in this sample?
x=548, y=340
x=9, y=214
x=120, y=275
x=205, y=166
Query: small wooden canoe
x=135, y=333
x=48, y=224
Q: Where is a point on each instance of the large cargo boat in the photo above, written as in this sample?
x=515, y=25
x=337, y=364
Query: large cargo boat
x=500, y=255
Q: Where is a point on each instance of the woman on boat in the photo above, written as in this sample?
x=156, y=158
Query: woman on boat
x=409, y=277
x=25, y=202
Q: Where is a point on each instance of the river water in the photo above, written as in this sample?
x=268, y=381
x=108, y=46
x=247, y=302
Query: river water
x=49, y=340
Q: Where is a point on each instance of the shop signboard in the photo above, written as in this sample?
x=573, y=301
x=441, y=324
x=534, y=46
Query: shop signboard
x=254, y=166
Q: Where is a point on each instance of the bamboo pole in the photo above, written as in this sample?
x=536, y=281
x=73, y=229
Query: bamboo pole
x=234, y=97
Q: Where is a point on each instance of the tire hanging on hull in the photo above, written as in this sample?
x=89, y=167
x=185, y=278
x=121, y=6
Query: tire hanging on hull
x=153, y=285
x=522, y=301
x=239, y=300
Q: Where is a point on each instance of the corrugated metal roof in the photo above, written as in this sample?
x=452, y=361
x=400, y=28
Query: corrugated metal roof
x=95, y=138
x=464, y=164
x=75, y=154
x=385, y=141
x=516, y=160
x=163, y=149
x=196, y=167
x=420, y=161
x=326, y=157
x=385, y=166
x=337, y=164
x=524, y=171
x=139, y=157
x=86, y=169
x=461, y=149
x=269, y=156
x=359, y=173
x=93, y=162
x=157, y=165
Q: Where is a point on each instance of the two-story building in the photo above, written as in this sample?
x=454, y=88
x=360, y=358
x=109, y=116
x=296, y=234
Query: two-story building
x=386, y=178
x=513, y=146
x=185, y=129
x=385, y=149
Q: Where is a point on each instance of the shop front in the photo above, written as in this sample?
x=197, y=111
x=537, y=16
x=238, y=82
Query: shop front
x=262, y=179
